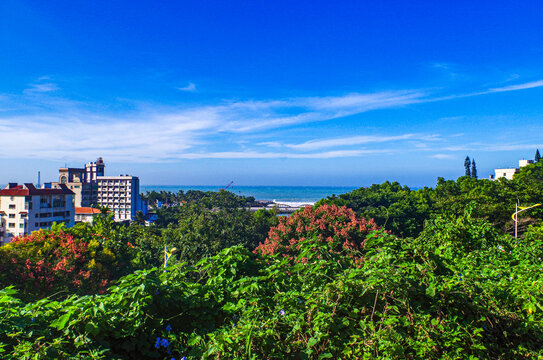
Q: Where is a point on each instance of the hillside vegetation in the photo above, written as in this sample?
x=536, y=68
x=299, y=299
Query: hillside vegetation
x=381, y=272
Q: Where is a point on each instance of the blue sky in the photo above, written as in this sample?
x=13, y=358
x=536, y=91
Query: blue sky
x=277, y=92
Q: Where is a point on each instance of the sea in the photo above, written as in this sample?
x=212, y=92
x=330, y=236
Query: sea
x=288, y=195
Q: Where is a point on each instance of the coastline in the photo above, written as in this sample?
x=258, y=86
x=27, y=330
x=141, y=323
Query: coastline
x=281, y=195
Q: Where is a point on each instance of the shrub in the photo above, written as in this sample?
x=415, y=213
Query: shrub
x=338, y=227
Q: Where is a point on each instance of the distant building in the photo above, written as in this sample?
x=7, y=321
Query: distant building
x=86, y=214
x=120, y=194
x=25, y=208
x=508, y=173
x=82, y=181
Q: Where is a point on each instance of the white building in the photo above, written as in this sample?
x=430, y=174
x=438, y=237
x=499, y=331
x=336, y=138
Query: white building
x=25, y=208
x=120, y=194
x=508, y=173
x=85, y=214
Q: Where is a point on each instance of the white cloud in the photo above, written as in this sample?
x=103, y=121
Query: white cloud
x=58, y=128
x=528, y=85
x=443, y=156
x=41, y=88
x=278, y=155
x=190, y=87
x=346, y=141
x=493, y=147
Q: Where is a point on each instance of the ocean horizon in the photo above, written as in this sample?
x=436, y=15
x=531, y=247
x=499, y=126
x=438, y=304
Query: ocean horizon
x=282, y=194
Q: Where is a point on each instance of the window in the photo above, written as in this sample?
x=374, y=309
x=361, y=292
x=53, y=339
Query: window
x=12, y=225
x=23, y=216
x=36, y=224
x=12, y=206
x=12, y=216
x=22, y=225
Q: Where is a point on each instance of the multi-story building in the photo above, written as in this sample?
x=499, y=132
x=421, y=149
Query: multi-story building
x=25, y=208
x=82, y=181
x=91, y=187
x=120, y=194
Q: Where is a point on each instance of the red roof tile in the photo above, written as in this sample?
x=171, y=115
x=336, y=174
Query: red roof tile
x=32, y=190
x=86, y=210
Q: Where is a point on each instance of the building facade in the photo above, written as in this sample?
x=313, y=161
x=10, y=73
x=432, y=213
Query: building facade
x=25, y=208
x=86, y=214
x=509, y=173
x=82, y=181
x=120, y=194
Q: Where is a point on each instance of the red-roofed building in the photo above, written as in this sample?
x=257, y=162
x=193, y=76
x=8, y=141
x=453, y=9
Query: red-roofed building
x=25, y=208
x=86, y=214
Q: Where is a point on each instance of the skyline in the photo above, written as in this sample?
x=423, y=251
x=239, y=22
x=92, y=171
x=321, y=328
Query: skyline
x=269, y=94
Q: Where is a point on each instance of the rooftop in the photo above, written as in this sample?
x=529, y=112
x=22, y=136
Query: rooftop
x=14, y=189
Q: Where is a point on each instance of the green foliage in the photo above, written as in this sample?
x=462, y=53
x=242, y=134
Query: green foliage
x=210, y=199
x=404, y=211
x=459, y=291
x=202, y=232
x=396, y=208
x=473, y=169
x=324, y=284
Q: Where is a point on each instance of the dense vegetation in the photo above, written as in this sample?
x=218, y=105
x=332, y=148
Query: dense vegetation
x=404, y=211
x=435, y=275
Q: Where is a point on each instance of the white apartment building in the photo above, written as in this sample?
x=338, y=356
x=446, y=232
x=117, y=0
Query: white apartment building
x=25, y=208
x=508, y=173
x=120, y=194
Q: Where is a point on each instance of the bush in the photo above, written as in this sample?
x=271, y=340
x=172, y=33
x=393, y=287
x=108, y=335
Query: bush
x=63, y=261
x=338, y=227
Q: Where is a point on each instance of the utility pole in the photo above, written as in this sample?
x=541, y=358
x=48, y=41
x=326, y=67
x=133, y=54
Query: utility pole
x=517, y=211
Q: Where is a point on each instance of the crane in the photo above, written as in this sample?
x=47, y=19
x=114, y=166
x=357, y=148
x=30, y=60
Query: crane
x=229, y=184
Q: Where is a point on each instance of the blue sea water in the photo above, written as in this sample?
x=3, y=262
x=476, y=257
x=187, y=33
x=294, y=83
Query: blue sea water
x=286, y=194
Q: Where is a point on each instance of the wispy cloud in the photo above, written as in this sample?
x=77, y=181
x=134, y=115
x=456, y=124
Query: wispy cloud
x=253, y=116
x=190, y=87
x=347, y=141
x=59, y=128
x=528, y=85
x=279, y=155
x=443, y=156
x=41, y=88
x=493, y=147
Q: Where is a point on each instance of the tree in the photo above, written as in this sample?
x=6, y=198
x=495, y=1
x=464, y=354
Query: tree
x=467, y=164
x=537, y=156
x=473, y=169
x=338, y=228
x=140, y=218
x=394, y=207
x=201, y=232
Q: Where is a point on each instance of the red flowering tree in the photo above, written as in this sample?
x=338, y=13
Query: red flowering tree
x=56, y=261
x=338, y=228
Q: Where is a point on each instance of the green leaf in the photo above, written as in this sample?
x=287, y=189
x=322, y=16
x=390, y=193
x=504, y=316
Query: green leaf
x=60, y=323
